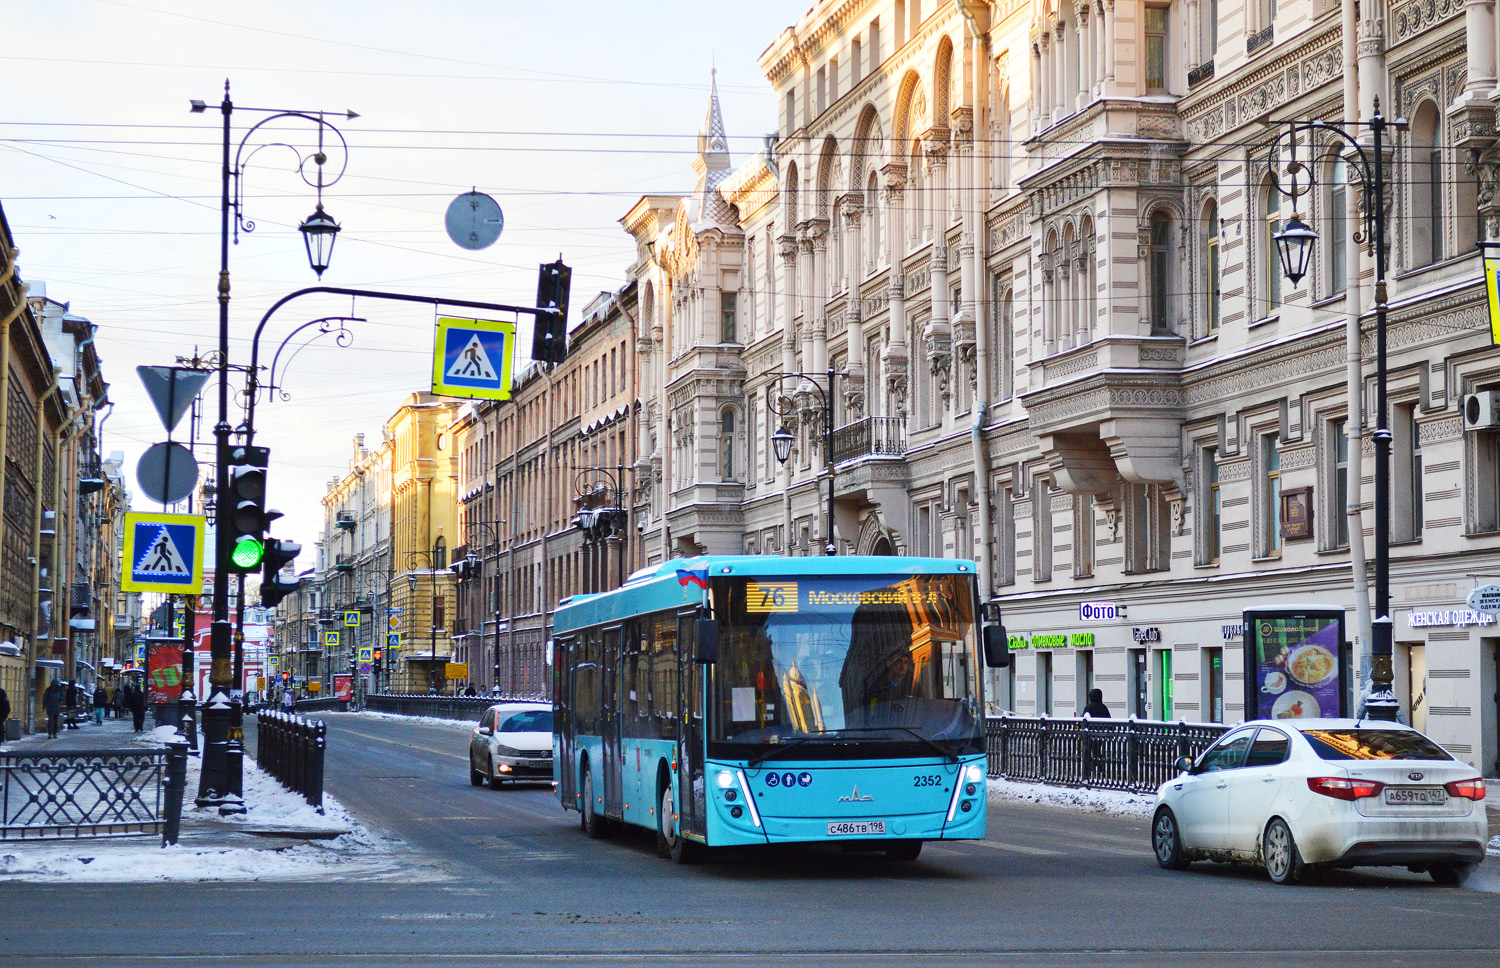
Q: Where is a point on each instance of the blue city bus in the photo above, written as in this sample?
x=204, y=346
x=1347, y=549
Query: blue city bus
x=729, y=701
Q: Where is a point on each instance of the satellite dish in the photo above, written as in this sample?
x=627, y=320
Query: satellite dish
x=474, y=220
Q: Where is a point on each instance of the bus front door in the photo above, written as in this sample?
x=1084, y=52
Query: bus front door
x=691, y=807
x=609, y=725
x=565, y=655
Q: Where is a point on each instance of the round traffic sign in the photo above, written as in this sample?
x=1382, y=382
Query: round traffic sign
x=474, y=220
x=167, y=472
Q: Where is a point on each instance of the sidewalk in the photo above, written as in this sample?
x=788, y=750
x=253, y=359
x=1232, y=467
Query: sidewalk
x=279, y=837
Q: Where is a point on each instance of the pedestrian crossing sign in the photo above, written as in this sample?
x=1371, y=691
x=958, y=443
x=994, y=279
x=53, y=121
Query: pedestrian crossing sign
x=472, y=358
x=330, y=640
x=351, y=620
x=162, y=553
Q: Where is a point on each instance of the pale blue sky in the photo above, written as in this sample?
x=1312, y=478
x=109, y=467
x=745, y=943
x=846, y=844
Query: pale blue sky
x=111, y=186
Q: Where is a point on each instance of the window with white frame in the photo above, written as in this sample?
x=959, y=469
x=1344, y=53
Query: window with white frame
x=1147, y=540
x=1336, y=446
x=1269, y=461
x=1004, y=561
x=1160, y=272
x=1406, y=474
x=1336, y=220
x=1157, y=22
x=1211, y=278
x=1270, y=261
x=1041, y=530
x=1211, y=507
x=1425, y=217
x=1083, y=535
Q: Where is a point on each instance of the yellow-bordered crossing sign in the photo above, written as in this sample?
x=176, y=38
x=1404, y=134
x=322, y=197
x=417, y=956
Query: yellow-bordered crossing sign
x=162, y=553
x=471, y=358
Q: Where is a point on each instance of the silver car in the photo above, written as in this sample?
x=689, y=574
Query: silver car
x=512, y=741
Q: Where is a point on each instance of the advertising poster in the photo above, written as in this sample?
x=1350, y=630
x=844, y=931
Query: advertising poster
x=343, y=688
x=164, y=660
x=1294, y=663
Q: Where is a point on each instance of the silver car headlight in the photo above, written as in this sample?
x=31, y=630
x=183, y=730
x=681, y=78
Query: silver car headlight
x=506, y=751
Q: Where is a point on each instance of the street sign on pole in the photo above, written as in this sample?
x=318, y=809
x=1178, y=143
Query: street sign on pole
x=172, y=390
x=167, y=472
x=393, y=640
x=471, y=358
x=331, y=639
x=474, y=220
x=1485, y=598
x=351, y=620
x=162, y=553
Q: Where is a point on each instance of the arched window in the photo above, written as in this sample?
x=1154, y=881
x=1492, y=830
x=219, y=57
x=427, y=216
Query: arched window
x=1337, y=232
x=872, y=219
x=916, y=196
x=1159, y=272
x=836, y=251
x=1426, y=215
x=1270, y=275
x=726, y=446
x=1209, y=246
x=1088, y=280
x=439, y=553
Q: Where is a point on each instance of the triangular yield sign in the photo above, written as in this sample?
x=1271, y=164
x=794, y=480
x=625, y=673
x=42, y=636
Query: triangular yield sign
x=161, y=557
x=172, y=390
x=473, y=363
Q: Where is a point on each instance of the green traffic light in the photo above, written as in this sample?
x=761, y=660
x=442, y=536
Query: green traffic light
x=247, y=553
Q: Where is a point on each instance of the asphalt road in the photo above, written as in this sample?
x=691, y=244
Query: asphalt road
x=507, y=876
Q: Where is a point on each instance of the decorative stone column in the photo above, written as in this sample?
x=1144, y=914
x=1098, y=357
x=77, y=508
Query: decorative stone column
x=894, y=359
x=852, y=207
x=966, y=314
x=1040, y=111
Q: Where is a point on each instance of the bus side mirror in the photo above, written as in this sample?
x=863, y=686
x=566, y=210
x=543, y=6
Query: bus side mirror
x=706, y=641
x=996, y=647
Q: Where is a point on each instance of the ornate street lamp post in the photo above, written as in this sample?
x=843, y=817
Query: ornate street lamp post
x=222, y=754
x=782, y=439
x=1294, y=244
x=602, y=522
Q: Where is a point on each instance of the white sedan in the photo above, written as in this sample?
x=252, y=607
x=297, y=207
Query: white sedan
x=513, y=741
x=1295, y=794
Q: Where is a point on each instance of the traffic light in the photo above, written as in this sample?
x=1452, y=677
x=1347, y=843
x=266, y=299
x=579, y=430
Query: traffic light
x=248, y=517
x=375, y=666
x=549, y=338
x=279, y=553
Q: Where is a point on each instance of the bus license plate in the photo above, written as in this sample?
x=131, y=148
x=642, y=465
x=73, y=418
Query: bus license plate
x=1432, y=796
x=856, y=828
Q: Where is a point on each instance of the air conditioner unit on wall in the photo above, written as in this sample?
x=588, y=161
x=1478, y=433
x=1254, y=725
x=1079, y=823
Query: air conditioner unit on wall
x=1481, y=411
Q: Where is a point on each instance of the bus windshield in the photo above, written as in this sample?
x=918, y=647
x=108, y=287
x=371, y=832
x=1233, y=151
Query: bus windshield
x=836, y=665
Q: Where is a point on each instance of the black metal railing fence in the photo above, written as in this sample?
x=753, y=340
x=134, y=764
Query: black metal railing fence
x=291, y=749
x=438, y=707
x=104, y=793
x=1134, y=755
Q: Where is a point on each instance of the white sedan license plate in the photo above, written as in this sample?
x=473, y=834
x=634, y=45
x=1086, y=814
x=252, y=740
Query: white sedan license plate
x=856, y=828
x=1431, y=796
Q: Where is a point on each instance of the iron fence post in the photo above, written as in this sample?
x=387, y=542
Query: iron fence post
x=315, y=784
x=1132, y=754
x=176, y=783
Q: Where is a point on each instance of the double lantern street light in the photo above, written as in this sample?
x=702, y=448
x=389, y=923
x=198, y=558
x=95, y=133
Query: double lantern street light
x=782, y=440
x=1294, y=245
x=223, y=750
x=602, y=522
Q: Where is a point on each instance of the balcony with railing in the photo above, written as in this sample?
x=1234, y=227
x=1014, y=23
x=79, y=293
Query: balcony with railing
x=343, y=564
x=1260, y=39
x=870, y=437
x=345, y=520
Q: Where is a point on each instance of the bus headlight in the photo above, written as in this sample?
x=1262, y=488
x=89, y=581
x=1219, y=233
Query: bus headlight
x=724, y=779
x=974, y=773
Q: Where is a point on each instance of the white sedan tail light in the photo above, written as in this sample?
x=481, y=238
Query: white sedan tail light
x=1468, y=789
x=1342, y=788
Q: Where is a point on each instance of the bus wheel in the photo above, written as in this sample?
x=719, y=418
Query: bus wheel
x=593, y=824
x=670, y=843
x=905, y=851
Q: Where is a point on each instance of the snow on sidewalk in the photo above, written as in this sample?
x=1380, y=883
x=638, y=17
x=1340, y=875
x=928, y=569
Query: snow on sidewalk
x=274, y=840
x=466, y=725
x=1075, y=798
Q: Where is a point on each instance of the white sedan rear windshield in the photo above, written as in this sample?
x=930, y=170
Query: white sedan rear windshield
x=529, y=721
x=1373, y=744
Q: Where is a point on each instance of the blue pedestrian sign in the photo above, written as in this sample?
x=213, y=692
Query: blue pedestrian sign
x=162, y=553
x=472, y=358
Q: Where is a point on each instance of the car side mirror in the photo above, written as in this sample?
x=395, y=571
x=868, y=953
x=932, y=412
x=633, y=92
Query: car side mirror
x=486, y=731
x=1183, y=764
x=706, y=641
x=996, y=647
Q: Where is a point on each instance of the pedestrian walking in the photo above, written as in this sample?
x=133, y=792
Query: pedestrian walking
x=4, y=716
x=117, y=701
x=473, y=690
x=288, y=700
x=52, y=704
x=136, y=700
x=72, y=696
x=101, y=700
x=1095, y=706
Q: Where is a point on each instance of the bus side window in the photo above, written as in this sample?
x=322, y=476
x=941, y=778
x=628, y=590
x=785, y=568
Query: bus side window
x=664, y=676
x=643, y=674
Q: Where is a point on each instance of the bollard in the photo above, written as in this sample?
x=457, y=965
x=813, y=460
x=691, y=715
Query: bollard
x=175, y=785
x=314, y=791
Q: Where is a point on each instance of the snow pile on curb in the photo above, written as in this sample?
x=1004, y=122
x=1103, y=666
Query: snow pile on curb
x=1074, y=798
x=1495, y=845
x=467, y=725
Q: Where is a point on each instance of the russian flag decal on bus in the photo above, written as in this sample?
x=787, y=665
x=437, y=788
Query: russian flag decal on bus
x=698, y=576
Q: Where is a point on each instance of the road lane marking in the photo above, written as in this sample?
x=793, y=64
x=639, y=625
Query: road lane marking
x=393, y=742
x=1013, y=848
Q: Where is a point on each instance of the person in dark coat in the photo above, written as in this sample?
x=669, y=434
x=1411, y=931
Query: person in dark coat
x=101, y=699
x=52, y=703
x=72, y=698
x=117, y=701
x=4, y=714
x=1095, y=706
x=136, y=700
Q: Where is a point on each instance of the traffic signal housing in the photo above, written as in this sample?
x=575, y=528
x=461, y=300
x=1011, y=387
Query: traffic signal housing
x=549, y=337
x=279, y=553
x=248, y=517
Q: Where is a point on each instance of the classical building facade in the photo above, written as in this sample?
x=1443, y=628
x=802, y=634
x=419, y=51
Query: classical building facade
x=531, y=470
x=354, y=560
x=1033, y=243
